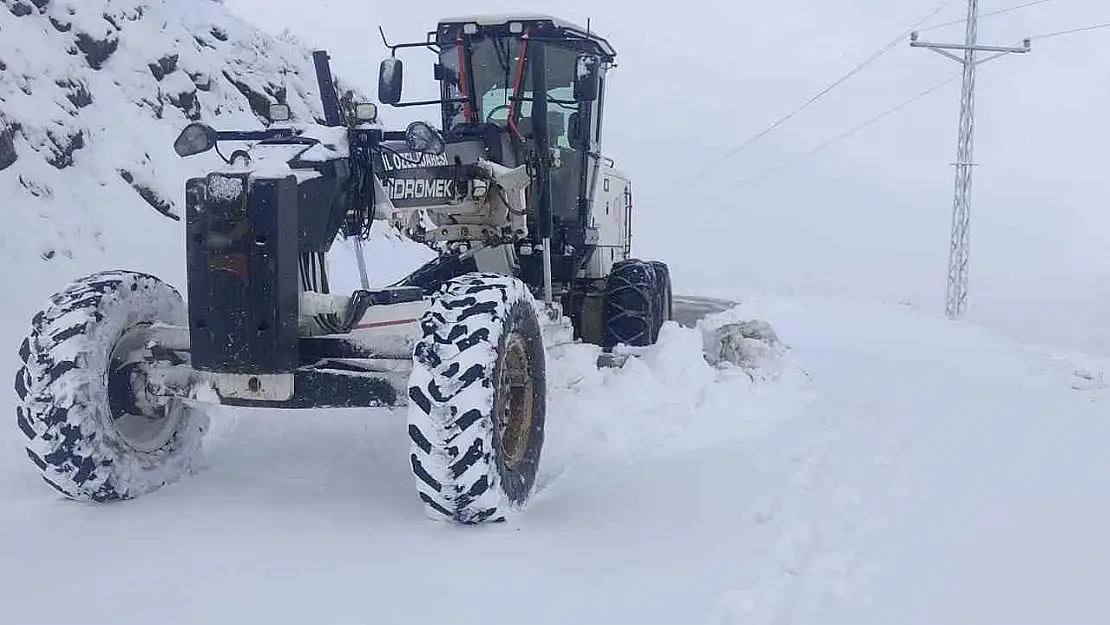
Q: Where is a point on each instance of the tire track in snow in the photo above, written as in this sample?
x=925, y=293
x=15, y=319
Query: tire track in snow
x=786, y=528
x=808, y=528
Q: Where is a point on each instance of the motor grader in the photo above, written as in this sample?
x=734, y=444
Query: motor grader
x=532, y=228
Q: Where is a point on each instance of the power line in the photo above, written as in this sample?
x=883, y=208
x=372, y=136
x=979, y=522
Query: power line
x=1072, y=31
x=828, y=143
x=844, y=135
x=959, y=248
x=874, y=120
x=788, y=163
x=874, y=57
x=989, y=14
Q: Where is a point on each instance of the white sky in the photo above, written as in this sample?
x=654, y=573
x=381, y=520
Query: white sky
x=869, y=216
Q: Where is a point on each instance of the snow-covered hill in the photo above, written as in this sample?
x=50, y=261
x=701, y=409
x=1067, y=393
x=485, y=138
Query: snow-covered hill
x=92, y=95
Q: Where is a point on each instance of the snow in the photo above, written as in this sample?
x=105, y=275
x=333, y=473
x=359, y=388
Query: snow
x=224, y=188
x=171, y=66
x=746, y=343
x=272, y=160
x=897, y=468
x=882, y=466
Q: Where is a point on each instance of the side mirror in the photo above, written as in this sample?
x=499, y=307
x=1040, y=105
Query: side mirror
x=424, y=139
x=587, y=79
x=195, y=139
x=390, y=76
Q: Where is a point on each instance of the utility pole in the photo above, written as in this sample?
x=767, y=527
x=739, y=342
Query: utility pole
x=959, y=249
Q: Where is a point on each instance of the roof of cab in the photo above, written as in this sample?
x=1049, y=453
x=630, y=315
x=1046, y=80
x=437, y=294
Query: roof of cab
x=504, y=18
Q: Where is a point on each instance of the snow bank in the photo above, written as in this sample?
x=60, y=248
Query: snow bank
x=669, y=399
x=745, y=344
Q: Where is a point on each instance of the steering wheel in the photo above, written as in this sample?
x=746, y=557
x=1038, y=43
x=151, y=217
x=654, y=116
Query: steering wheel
x=496, y=109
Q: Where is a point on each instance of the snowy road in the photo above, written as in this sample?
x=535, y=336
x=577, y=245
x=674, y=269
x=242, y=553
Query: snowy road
x=898, y=469
x=961, y=479
x=688, y=309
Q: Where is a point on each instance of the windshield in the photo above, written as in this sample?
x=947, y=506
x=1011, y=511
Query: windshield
x=495, y=67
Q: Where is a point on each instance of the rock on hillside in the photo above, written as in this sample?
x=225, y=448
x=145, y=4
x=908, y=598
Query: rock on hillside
x=92, y=95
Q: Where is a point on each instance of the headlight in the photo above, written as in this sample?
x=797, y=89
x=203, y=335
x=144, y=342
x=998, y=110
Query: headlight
x=366, y=112
x=280, y=113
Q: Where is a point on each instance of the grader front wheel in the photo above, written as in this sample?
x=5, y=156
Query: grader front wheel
x=477, y=400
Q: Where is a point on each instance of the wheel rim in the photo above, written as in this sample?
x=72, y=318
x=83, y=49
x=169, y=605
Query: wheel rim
x=142, y=420
x=516, y=390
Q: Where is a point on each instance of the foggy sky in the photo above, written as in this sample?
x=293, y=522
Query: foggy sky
x=868, y=217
